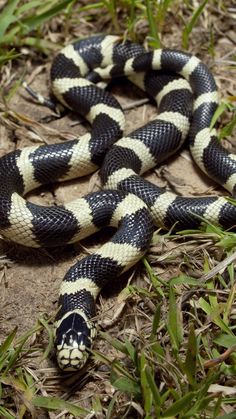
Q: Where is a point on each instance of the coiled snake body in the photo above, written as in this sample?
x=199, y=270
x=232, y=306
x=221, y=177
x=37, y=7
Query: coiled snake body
x=127, y=202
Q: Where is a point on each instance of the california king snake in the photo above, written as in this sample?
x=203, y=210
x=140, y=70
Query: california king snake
x=127, y=202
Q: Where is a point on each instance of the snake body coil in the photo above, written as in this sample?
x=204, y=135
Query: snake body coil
x=129, y=202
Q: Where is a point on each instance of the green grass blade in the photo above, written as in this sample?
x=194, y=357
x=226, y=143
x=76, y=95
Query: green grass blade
x=146, y=393
x=22, y=26
x=116, y=343
x=228, y=129
x=154, y=37
x=189, y=27
x=214, y=315
x=191, y=356
x=227, y=341
x=180, y=405
x=5, y=354
x=13, y=358
x=52, y=403
x=156, y=321
x=217, y=114
x=8, y=341
x=199, y=406
x=5, y=413
x=127, y=385
x=154, y=280
x=183, y=279
x=227, y=416
x=111, y=7
x=131, y=351
x=174, y=324
x=8, y=56
x=35, y=21
x=29, y=6
x=154, y=390
x=50, y=344
x=7, y=16
x=158, y=351
x=110, y=410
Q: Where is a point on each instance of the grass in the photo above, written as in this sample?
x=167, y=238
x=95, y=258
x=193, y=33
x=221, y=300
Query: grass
x=20, y=22
x=182, y=356
x=174, y=354
x=177, y=365
x=191, y=24
x=19, y=19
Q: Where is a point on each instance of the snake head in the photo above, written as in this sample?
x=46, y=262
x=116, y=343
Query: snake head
x=74, y=336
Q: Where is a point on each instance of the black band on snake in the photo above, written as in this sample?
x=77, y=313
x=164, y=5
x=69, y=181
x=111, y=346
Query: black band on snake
x=178, y=82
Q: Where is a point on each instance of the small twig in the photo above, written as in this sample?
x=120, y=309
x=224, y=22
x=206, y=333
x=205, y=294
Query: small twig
x=218, y=268
x=216, y=361
x=229, y=54
x=135, y=103
x=228, y=62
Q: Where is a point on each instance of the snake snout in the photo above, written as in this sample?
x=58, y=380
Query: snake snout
x=74, y=337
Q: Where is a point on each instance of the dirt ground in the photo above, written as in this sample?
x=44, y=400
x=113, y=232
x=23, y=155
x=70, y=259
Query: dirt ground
x=30, y=279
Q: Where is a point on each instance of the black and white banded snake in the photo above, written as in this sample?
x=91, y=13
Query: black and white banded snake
x=127, y=201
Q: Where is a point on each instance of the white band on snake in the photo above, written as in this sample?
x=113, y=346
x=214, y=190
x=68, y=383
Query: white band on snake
x=186, y=96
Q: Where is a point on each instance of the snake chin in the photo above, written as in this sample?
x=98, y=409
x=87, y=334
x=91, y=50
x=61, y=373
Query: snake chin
x=72, y=352
x=71, y=359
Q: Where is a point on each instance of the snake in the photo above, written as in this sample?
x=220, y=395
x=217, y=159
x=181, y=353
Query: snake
x=186, y=95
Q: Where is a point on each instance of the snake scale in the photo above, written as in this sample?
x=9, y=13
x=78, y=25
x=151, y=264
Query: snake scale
x=185, y=92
